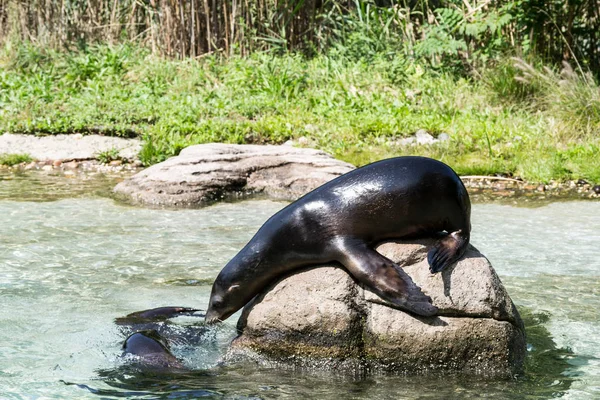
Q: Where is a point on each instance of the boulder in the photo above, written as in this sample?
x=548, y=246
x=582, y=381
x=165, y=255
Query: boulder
x=322, y=318
x=204, y=173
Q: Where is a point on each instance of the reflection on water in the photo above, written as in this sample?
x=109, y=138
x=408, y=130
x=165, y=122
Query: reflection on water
x=68, y=268
x=51, y=186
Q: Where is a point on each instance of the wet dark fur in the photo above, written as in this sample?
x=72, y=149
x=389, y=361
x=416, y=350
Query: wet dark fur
x=343, y=220
x=151, y=349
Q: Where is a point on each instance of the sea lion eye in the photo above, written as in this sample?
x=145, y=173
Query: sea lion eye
x=232, y=288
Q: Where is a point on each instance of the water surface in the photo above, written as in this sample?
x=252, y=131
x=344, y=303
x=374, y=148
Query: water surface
x=69, y=267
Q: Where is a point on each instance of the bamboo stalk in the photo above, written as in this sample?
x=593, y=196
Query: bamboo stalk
x=207, y=18
x=226, y=25
x=193, y=29
x=181, y=27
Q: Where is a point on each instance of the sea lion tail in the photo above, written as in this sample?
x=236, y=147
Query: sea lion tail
x=448, y=250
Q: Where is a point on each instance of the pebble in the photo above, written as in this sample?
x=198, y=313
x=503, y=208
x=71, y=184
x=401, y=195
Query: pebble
x=443, y=137
x=406, y=141
x=423, y=137
x=56, y=163
x=420, y=138
x=303, y=141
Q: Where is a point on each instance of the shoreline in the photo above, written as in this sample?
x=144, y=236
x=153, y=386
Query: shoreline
x=480, y=188
x=77, y=155
x=488, y=189
x=74, y=167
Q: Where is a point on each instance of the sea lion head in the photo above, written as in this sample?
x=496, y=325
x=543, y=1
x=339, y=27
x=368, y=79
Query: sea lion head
x=225, y=299
x=151, y=351
x=145, y=342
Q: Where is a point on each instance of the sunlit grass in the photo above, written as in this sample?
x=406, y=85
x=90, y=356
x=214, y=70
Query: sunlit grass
x=11, y=159
x=356, y=110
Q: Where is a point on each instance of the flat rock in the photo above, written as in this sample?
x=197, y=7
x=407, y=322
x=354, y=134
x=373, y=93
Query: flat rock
x=68, y=147
x=205, y=173
x=321, y=318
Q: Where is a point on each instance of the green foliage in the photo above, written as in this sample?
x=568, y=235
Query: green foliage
x=356, y=109
x=502, y=80
x=465, y=37
x=11, y=159
x=379, y=70
x=108, y=155
x=573, y=98
x=366, y=31
x=455, y=35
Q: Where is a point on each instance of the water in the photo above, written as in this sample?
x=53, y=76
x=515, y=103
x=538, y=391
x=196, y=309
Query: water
x=69, y=267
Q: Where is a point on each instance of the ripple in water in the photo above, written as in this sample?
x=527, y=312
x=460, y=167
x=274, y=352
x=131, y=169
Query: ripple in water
x=69, y=267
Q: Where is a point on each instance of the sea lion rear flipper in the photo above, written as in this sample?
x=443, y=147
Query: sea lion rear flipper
x=447, y=251
x=387, y=280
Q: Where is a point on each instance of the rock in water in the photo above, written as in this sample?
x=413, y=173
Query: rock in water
x=204, y=173
x=321, y=318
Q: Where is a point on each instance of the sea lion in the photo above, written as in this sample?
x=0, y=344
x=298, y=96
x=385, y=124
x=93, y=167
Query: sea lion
x=148, y=331
x=151, y=351
x=343, y=220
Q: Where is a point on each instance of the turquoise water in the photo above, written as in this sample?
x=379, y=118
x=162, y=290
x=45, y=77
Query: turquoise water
x=69, y=267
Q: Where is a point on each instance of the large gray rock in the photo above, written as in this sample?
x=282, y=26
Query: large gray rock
x=208, y=172
x=322, y=318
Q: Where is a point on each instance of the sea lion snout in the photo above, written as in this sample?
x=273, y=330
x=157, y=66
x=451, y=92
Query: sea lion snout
x=215, y=309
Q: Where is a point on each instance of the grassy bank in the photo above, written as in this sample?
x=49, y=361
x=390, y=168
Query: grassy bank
x=542, y=125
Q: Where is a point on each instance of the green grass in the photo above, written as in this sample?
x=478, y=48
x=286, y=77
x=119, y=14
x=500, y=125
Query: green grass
x=11, y=159
x=533, y=128
x=108, y=155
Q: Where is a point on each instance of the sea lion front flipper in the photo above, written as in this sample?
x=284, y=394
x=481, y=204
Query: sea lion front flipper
x=447, y=251
x=386, y=279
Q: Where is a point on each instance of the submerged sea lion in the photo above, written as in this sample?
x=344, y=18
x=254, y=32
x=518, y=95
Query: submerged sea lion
x=151, y=350
x=147, y=341
x=343, y=220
